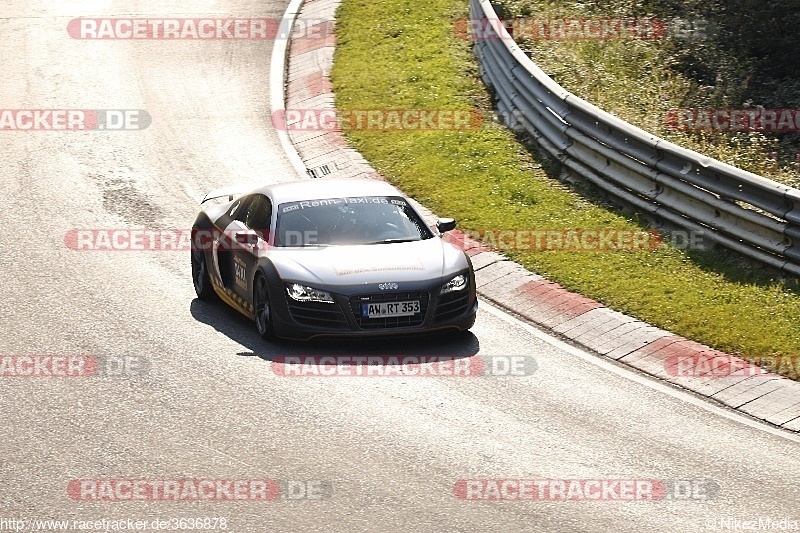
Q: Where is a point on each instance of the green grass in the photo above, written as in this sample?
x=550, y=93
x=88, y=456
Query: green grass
x=640, y=81
x=403, y=54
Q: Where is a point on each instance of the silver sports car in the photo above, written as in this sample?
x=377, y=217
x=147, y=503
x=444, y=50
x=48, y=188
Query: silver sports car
x=331, y=257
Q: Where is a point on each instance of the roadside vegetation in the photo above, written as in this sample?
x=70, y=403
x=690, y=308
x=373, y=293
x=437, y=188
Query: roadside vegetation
x=404, y=54
x=718, y=54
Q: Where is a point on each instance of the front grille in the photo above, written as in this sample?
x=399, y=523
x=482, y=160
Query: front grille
x=317, y=314
x=389, y=322
x=451, y=305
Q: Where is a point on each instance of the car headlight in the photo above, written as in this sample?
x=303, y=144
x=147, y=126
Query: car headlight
x=458, y=283
x=301, y=293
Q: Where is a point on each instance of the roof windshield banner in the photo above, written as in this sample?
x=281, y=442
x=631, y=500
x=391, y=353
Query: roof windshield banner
x=345, y=201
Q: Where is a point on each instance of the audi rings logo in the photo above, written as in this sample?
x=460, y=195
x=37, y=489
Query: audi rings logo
x=387, y=286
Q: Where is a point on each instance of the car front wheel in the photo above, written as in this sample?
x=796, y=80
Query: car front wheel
x=263, y=312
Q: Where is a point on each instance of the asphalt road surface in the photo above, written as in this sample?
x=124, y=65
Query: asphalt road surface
x=204, y=402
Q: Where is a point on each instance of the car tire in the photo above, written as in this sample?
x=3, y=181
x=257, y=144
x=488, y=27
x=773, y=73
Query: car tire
x=262, y=311
x=200, y=276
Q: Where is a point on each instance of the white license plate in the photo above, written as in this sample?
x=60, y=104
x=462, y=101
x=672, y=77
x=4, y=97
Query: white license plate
x=385, y=309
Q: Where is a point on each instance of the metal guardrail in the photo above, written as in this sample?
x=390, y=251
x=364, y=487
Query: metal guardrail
x=680, y=186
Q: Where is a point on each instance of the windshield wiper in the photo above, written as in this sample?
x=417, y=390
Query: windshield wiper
x=389, y=241
x=304, y=245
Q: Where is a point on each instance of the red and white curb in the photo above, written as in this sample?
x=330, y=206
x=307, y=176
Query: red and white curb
x=763, y=395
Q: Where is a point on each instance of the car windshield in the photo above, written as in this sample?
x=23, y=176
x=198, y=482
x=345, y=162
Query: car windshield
x=349, y=220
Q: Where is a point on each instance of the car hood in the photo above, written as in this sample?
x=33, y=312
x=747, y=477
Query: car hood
x=371, y=263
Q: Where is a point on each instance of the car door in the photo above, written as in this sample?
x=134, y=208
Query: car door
x=224, y=245
x=247, y=248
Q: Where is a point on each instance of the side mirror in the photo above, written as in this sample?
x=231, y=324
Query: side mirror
x=445, y=224
x=248, y=237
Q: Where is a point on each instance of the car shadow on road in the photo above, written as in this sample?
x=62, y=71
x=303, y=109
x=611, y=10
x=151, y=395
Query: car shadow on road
x=448, y=344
